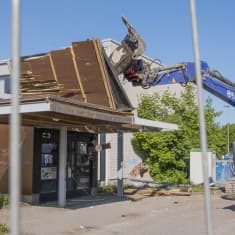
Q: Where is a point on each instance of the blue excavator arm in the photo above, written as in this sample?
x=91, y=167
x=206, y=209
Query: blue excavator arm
x=126, y=59
x=183, y=73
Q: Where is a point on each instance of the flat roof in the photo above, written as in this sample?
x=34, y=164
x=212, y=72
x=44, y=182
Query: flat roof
x=55, y=111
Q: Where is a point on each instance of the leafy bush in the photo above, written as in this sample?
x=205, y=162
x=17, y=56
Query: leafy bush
x=3, y=200
x=197, y=188
x=167, y=153
x=3, y=229
x=112, y=188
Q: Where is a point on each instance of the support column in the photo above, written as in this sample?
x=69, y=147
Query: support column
x=62, y=167
x=102, y=158
x=120, y=164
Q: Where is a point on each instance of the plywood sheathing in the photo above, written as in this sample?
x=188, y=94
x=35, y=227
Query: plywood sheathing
x=90, y=73
x=78, y=72
x=65, y=71
x=122, y=101
x=103, y=71
x=40, y=67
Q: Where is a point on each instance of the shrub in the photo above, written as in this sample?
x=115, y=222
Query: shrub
x=3, y=200
x=112, y=188
x=3, y=229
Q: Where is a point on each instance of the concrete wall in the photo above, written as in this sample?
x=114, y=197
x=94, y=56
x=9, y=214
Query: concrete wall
x=130, y=157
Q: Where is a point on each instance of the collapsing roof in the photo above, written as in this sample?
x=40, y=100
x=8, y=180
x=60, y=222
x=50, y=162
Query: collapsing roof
x=78, y=72
x=75, y=87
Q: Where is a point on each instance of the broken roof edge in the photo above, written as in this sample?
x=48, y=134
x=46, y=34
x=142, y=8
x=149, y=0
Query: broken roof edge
x=152, y=125
x=143, y=56
x=52, y=103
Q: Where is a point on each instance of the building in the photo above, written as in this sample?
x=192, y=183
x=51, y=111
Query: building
x=68, y=97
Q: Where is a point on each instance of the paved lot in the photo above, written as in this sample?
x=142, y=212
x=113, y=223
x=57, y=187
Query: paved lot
x=108, y=215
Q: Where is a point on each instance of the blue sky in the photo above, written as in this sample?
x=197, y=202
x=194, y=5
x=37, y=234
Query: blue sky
x=165, y=26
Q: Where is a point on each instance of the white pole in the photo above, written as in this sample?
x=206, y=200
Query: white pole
x=227, y=119
x=120, y=164
x=203, y=135
x=15, y=156
x=62, y=167
x=228, y=138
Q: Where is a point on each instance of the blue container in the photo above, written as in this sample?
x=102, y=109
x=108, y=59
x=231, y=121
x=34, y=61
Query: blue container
x=224, y=170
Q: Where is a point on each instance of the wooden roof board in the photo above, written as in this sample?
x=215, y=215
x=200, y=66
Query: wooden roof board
x=99, y=54
x=26, y=67
x=81, y=73
x=41, y=68
x=121, y=99
x=65, y=71
x=90, y=73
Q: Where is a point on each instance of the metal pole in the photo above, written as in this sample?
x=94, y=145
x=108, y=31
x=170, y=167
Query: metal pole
x=227, y=115
x=62, y=167
x=203, y=135
x=15, y=156
x=228, y=137
x=120, y=165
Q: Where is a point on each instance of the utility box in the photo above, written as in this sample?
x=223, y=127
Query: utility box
x=196, y=169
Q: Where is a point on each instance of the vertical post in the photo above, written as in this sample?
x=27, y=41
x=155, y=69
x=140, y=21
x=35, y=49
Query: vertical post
x=102, y=158
x=228, y=138
x=107, y=160
x=233, y=149
x=203, y=135
x=120, y=165
x=227, y=119
x=62, y=167
x=15, y=156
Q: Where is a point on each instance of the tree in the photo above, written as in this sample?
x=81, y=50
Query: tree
x=167, y=153
x=228, y=129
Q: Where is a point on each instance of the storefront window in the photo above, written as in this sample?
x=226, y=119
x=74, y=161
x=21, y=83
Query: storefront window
x=49, y=162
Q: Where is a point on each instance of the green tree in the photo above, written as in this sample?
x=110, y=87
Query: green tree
x=228, y=129
x=167, y=153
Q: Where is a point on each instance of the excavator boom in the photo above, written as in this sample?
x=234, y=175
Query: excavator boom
x=127, y=60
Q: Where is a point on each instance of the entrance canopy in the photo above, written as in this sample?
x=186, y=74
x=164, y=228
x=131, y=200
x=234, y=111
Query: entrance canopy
x=55, y=111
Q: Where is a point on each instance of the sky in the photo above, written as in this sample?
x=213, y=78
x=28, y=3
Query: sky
x=165, y=26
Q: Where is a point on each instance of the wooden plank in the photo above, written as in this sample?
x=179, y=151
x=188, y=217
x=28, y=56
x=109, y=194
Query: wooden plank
x=121, y=99
x=41, y=68
x=173, y=193
x=53, y=67
x=65, y=70
x=90, y=73
x=77, y=75
x=104, y=72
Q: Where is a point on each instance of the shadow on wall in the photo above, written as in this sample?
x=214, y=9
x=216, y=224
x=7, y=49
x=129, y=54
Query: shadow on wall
x=136, y=150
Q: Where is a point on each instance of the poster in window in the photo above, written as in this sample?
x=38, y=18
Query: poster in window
x=48, y=173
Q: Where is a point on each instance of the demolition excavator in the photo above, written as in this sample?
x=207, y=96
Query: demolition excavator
x=127, y=60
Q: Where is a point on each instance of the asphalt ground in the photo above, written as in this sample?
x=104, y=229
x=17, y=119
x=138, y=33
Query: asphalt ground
x=110, y=215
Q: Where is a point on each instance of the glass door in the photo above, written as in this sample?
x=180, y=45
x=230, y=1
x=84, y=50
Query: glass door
x=78, y=167
x=48, y=149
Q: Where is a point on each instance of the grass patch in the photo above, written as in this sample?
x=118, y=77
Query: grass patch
x=3, y=200
x=112, y=188
x=4, y=229
x=197, y=188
